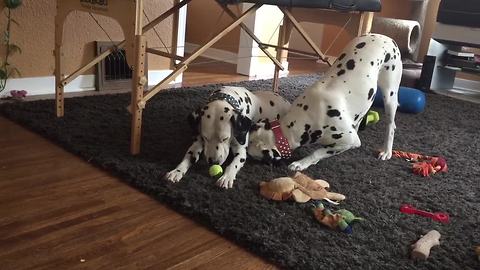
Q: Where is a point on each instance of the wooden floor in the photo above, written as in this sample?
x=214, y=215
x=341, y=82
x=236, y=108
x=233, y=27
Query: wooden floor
x=59, y=212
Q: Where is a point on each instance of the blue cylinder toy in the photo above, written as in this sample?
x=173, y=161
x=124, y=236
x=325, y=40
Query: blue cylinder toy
x=411, y=100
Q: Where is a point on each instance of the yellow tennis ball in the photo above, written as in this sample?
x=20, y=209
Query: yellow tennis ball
x=215, y=170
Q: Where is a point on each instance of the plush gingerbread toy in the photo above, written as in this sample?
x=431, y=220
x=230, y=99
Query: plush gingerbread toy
x=300, y=188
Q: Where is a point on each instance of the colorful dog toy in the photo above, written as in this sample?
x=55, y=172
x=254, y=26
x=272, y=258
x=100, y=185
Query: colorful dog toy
x=438, y=216
x=421, y=249
x=300, y=188
x=340, y=219
x=423, y=165
x=18, y=94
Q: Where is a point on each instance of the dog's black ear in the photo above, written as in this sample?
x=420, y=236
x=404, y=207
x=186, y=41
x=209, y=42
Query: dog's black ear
x=194, y=119
x=241, y=125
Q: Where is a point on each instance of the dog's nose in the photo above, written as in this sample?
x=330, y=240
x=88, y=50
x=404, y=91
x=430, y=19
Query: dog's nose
x=210, y=161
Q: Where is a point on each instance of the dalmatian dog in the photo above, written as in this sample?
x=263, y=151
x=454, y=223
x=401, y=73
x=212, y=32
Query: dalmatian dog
x=224, y=123
x=330, y=111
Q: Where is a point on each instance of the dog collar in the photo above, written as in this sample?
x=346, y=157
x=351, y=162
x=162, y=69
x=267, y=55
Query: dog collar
x=226, y=97
x=280, y=141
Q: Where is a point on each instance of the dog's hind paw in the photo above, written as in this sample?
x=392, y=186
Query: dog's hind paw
x=174, y=176
x=385, y=155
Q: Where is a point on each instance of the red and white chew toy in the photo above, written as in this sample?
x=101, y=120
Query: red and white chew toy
x=438, y=216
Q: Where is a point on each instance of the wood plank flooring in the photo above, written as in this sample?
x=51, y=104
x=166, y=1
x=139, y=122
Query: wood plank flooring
x=59, y=212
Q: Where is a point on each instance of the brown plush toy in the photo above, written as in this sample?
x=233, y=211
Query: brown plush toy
x=300, y=188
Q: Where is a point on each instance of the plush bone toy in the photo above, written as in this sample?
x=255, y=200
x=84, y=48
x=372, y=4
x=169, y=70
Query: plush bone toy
x=300, y=187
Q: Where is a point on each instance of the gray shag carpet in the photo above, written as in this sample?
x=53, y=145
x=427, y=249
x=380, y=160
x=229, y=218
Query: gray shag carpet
x=97, y=128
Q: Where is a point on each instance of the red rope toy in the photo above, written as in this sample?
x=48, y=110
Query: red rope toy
x=423, y=165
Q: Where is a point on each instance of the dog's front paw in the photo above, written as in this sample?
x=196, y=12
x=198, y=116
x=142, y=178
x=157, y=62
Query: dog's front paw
x=385, y=155
x=226, y=181
x=174, y=175
x=297, y=166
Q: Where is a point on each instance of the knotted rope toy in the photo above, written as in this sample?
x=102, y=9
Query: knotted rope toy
x=423, y=165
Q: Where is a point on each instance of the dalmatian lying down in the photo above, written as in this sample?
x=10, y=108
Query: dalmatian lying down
x=329, y=112
x=224, y=123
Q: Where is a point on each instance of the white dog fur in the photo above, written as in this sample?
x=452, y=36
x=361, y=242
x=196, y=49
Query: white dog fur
x=329, y=112
x=220, y=128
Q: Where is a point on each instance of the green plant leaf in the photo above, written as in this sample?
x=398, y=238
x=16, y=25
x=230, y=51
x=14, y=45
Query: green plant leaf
x=14, y=49
x=3, y=75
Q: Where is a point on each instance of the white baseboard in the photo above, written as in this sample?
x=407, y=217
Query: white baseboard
x=46, y=85
x=212, y=53
x=467, y=84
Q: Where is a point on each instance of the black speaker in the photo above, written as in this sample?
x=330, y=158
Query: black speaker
x=425, y=79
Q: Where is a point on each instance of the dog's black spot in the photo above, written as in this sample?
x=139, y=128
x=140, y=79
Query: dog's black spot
x=323, y=82
x=337, y=136
x=315, y=135
x=303, y=97
x=271, y=103
x=278, y=116
x=305, y=107
x=330, y=152
x=387, y=67
x=355, y=53
x=356, y=117
x=341, y=72
x=291, y=124
x=391, y=93
x=325, y=126
x=299, y=105
x=330, y=145
x=236, y=154
x=339, y=65
x=226, y=109
x=221, y=118
x=333, y=128
x=242, y=160
x=260, y=109
x=360, y=45
x=333, y=113
x=351, y=64
x=248, y=109
x=241, y=100
x=216, y=147
x=305, y=136
x=329, y=106
x=370, y=93
x=393, y=67
x=349, y=92
x=177, y=170
x=208, y=115
x=205, y=108
x=394, y=56
x=371, y=63
x=341, y=56
x=387, y=57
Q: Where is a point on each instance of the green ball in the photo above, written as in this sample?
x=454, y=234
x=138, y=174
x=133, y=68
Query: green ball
x=215, y=170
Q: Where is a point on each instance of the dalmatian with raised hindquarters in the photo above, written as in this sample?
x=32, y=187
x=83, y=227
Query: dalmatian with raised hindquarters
x=224, y=123
x=329, y=112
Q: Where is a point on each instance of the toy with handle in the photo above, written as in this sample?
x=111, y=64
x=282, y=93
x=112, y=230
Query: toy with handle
x=438, y=216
